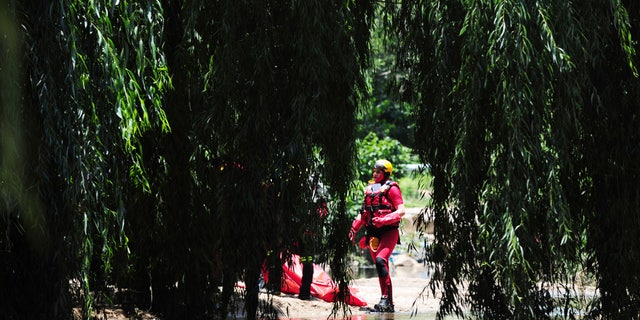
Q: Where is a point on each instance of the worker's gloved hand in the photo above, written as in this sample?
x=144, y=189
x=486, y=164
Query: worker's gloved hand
x=363, y=243
x=355, y=226
x=386, y=220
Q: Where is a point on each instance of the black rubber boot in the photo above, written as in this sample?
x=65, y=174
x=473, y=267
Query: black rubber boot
x=384, y=305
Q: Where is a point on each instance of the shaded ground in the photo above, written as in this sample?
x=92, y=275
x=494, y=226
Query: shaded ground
x=409, y=281
x=409, y=294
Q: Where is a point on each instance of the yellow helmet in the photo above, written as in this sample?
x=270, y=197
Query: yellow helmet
x=384, y=165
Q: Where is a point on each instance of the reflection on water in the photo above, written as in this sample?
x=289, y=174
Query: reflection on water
x=367, y=271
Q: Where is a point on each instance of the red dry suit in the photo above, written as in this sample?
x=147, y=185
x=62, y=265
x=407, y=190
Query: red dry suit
x=381, y=222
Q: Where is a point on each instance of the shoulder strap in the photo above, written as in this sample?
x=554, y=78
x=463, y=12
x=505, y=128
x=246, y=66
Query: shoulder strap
x=389, y=184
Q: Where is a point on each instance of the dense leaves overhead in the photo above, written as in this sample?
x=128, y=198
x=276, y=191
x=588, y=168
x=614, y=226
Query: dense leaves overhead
x=174, y=142
x=169, y=147
x=527, y=113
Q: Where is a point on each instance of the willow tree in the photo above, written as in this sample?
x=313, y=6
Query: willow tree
x=528, y=117
x=90, y=83
x=163, y=146
x=271, y=89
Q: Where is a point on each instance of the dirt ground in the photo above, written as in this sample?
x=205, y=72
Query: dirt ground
x=410, y=294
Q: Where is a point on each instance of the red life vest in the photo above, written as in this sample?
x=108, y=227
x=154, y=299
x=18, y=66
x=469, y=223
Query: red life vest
x=377, y=202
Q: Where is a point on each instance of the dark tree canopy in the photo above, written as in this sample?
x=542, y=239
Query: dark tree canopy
x=174, y=145
x=170, y=142
x=527, y=113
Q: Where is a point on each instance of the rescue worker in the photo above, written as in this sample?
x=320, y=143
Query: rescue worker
x=382, y=210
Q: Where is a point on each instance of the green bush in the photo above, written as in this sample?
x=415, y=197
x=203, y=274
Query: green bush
x=372, y=148
x=415, y=189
